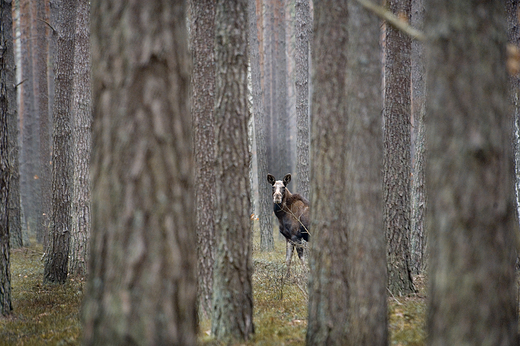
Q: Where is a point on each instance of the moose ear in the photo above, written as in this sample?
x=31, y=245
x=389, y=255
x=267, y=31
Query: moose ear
x=287, y=179
x=270, y=179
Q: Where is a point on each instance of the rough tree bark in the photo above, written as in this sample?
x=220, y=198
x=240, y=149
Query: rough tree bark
x=347, y=288
x=303, y=28
x=232, y=287
x=471, y=220
x=82, y=121
x=7, y=80
x=57, y=259
x=142, y=286
x=203, y=100
x=265, y=209
x=397, y=144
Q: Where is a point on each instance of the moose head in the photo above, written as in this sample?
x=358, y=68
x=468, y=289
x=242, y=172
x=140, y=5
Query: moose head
x=278, y=187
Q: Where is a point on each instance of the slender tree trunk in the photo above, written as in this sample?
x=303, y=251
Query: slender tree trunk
x=203, y=101
x=232, y=291
x=397, y=144
x=418, y=193
x=56, y=262
x=142, y=286
x=265, y=210
x=6, y=110
x=472, y=297
x=8, y=56
x=347, y=288
x=303, y=28
x=82, y=111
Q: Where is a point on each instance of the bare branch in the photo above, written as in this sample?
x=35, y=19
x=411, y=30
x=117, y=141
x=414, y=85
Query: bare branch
x=391, y=18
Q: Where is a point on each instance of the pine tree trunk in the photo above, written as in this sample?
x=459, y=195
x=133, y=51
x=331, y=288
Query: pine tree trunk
x=347, y=288
x=142, y=286
x=56, y=262
x=303, y=28
x=6, y=97
x=82, y=111
x=203, y=101
x=265, y=209
x=397, y=144
x=473, y=291
x=232, y=286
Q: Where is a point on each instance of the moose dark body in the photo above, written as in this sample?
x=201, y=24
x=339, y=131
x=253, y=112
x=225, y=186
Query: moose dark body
x=292, y=211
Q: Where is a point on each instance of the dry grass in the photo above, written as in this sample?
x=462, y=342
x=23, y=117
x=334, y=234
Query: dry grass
x=50, y=314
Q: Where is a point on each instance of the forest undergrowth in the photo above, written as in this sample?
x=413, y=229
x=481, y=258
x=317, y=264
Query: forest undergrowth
x=50, y=314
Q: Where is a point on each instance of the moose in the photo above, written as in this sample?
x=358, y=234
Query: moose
x=292, y=211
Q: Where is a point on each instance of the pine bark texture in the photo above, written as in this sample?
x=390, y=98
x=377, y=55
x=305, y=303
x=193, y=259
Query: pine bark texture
x=265, y=204
x=6, y=97
x=45, y=158
x=397, y=144
x=232, y=287
x=418, y=196
x=203, y=100
x=82, y=123
x=57, y=260
x=472, y=296
x=142, y=286
x=9, y=76
x=347, y=288
x=302, y=33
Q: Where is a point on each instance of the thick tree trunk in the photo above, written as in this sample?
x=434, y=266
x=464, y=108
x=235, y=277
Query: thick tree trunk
x=142, y=285
x=347, y=288
x=82, y=111
x=472, y=297
x=57, y=260
x=232, y=286
x=265, y=210
x=203, y=101
x=6, y=110
x=397, y=144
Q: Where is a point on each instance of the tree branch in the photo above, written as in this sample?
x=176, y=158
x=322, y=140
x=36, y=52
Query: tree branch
x=391, y=18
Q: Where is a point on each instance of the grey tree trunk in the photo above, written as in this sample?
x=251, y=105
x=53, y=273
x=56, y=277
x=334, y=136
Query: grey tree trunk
x=472, y=297
x=232, y=287
x=347, y=288
x=7, y=80
x=57, y=259
x=302, y=32
x=265, y=210
x=397, y=144
x=203, y=100
x=9, y=76
x=418, y=233
x=82, y=124
x=142, y=286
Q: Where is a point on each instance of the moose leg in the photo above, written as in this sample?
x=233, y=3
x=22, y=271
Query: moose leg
x=300, y=249
x=288, y=252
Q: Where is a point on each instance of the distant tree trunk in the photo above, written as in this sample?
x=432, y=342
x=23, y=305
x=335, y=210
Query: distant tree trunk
x=232, y=287
x=6, y=97
x=56, y=262
x=280, y=79
x=41, y=78
x=142, y=286
x=472, y=297
x=397, y=144
x=82, y=121
x=29, y=122
x=41, y=108
x=303, y=28
x=418, y=193
x=265, y=210
x=269, y=87
x=9, y=78
x=203, y=101
x=348, y=247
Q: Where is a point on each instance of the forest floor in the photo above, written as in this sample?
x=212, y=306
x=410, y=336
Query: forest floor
x=50, y=314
